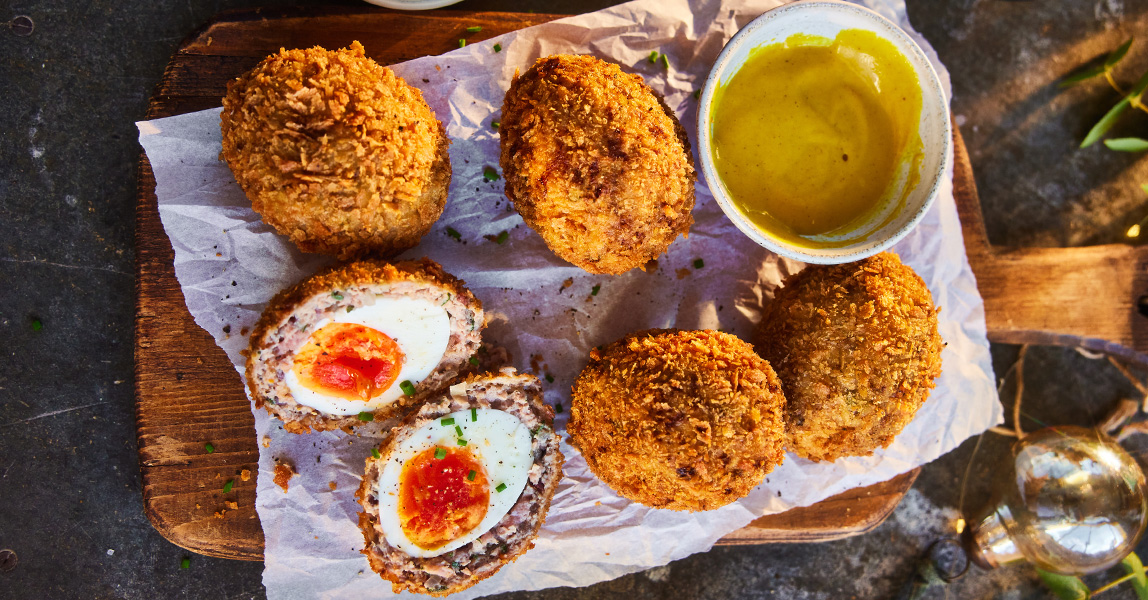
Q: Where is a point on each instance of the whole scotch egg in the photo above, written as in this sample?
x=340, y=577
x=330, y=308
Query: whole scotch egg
x=362, y=338
x=463, y=486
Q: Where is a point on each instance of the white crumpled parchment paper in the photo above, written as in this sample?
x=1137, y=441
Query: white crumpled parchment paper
x=229, y=264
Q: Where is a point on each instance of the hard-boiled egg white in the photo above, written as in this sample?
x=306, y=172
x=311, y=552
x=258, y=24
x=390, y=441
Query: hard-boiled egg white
x=419, y=327
x=500, y=442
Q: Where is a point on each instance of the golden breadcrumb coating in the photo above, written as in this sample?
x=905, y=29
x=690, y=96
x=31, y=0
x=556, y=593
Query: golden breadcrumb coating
x=596, y=163
x=288, y=321
x=336, y=152
x=685, y=420
x=857, y=350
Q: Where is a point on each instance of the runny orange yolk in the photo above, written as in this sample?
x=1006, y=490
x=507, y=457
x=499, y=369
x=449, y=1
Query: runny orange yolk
x=438, y=501
x=349, y=361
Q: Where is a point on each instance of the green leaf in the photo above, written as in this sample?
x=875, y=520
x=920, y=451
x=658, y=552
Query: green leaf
x=1105, y=123
x=1134, y=567
x=1117, y=54
x=1127, y=144
x=1084, y=75
x=1140, y=86
x=1065, y=587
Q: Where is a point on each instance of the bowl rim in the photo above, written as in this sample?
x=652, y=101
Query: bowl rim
x=889, y=31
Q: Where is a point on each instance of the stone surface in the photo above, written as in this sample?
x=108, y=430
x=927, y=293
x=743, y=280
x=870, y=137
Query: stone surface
x=70, y=504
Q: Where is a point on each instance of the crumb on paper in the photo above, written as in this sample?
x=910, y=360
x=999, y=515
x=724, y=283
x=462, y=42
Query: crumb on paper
x=569, y=282
x=232, y=505
x=683, y=273
x=245, y=474
x=331, y=485
x=283, y=474
x=266, y=441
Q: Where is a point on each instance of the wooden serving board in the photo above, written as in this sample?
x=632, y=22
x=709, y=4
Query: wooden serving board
x=187, y=393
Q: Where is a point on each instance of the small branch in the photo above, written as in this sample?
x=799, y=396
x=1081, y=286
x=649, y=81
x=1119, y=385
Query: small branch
x=1132, y=429
x=1125, y=372
x=1108, y=586
x=1136, y=103
x=1124, y=411
x=1019, y=392
x=1112, y=82
x=1005, y=431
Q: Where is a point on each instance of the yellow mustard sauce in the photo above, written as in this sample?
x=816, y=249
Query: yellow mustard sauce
x=817, y=140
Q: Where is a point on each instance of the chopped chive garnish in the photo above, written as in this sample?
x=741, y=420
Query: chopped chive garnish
x=699, y=263
x=366, y=417
x=498, y=47
x=474, y=29
x=489, y=174
x=407, y=387
x=495, y=124
x=461, y=442
x=697, y=93
x=470, y=476
x=37, y=325
x=458, y=430
x=558, y=408
x=501, y=486
x=549, y=378
x=337, y=295
x=375, y=453
x=653, y=56
x=439, y=453
x=665, y=61
x=473, y=414
x=473, y=360
x=350, y=308
x=448, y=297
x=185, y=563
x=452, y=232
x=227, y=486
x=448, y=421
x=594, y=290
x=462, y=43
x=502, y=237
x=209, y=447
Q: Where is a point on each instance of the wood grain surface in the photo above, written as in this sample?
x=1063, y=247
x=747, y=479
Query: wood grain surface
x=188, y=393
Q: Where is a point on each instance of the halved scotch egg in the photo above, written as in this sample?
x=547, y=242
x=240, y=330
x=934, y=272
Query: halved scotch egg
x=462, y=486
x=361, y=341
